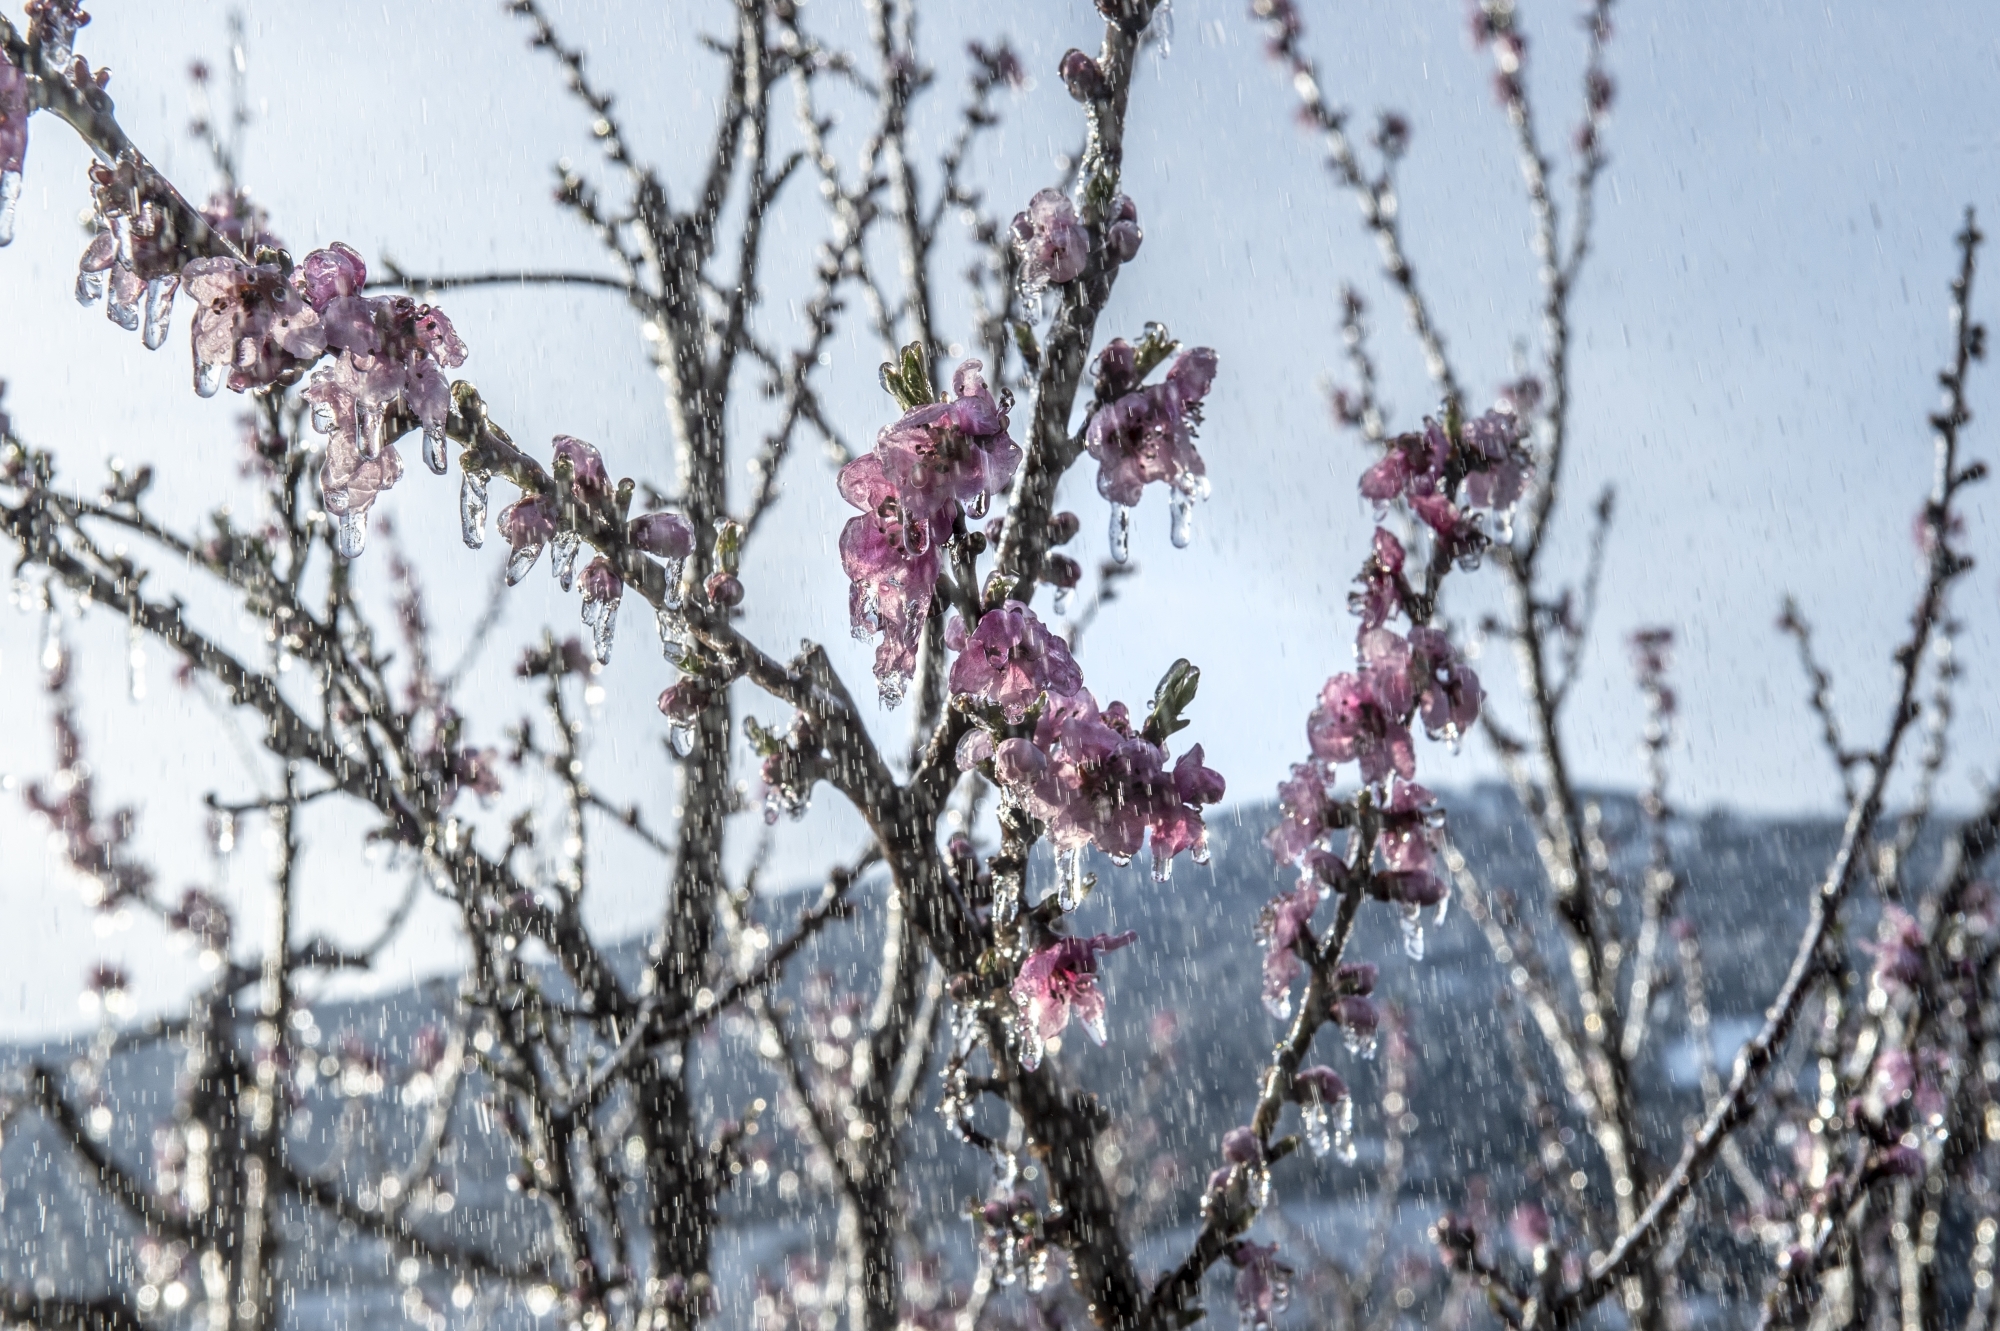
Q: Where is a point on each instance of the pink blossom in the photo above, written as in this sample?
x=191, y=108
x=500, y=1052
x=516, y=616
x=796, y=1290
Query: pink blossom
x=526, y=525
x=1010, y=660
x=667, y=535
x=1499, y=464
x=588, y=479
x=1082, y=76
x=1106, y=786
x=1241, y=1146
x=1283, y=923
x=250, y=323
x=1059, y=982
x=1147, y=434
x=1263, y=1283
x=602, y=590
x=1364, y=717
x=331, y=274
x=1448, y=691
x=1303, y=806
x=892, y=569
x=1123, y=231
x=951, y=451
x=1051, y=242
x=1381, y=591
x=1414, y=463
x=1017, y=763
x=1458, y=534
x=1320, y=1085
x=686, y=701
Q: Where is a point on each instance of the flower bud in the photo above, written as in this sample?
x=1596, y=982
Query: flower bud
x=724, y=589
x=1082, y=76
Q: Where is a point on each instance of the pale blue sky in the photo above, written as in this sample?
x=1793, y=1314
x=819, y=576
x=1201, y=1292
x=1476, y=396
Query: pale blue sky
x=1756, y=343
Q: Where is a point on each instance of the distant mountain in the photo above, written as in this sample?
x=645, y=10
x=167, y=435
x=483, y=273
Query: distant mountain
x=1749, y=882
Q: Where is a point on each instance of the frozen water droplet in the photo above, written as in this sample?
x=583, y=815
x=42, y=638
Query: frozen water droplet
x=351, y=535
x=1343, y=1132
x=159, y=310
x=1072, y=886
x=1163, y=867
x=562, y=556
x=1413, y=932
x=472, y=508
x=121, y=231
x=1180, y=508
x=602, y=619
x=10, y=204
x=681, y=735
x=977, y=508
x=89, y=286
x=1031, y=304
x=1313, y=1119
x=1199, y=853
x=121, y=306
x=673, y=569
x=434, y=455
x=521, y=560
x=1358, y=1043
x=1163, y=27
x=208, y=377
x=674, y=643
x=1121, y=533
x=892, y=689
x=135, y=664
x=1062, y=600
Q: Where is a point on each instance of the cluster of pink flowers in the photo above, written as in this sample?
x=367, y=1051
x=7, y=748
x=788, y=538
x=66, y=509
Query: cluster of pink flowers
x=937, y=460
x=1088, y=774
x=133, y=262
x=1057, y=983
x=1423, y=468
x=1145, y=433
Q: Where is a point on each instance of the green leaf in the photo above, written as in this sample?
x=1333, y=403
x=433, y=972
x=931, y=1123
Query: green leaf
x=908, y=378
x=1173, y=696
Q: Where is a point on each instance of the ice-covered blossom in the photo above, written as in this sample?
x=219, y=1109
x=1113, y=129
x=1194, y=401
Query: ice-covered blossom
x=1263, y=1283
x=602, y=590
x=1082, y=76
x=251, y=327
x=1050, y=241
x=1147, y=433
x=946, y=452
x=1303, y=808
x=134, y=261
x=1381, y=585
x=1364, y=717
x=589, y=481
x=1010, y=660
x=1059, y=982
x=892, y=569
x=666, y=535
x=526, y=525
x=1094, y=781
x=1124, y=232
x=389, y=356
x=1448, y=692
x=1282, y=924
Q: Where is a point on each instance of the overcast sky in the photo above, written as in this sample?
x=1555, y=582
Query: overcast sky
x=1757, y=339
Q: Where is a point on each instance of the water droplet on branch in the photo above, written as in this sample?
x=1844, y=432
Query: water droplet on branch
x=351, y=535
x=1121, y=533
x=434, y=455
x=562, y=557
x=159, y=310
x=1180, y=507
x=10, y=201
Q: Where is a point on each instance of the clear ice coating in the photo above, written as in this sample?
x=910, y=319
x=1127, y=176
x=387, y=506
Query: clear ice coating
x=472, y=510
x=672, y=568
x=159, y=310
x=680, y=734
x=1413, y=932
x=89, y=286
x=208, y=377
x=1329, y=1129
x=434, y=455
x=602, y=618
x=121, y=306
x=1121, y=533
x=1180, y=508
x=1071, y=884
x=351, y=535
x=1062, y=600
x=1360, y=1043
x=674, y=641
x=10, y=204
x=523, y=559
x=562, y=556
